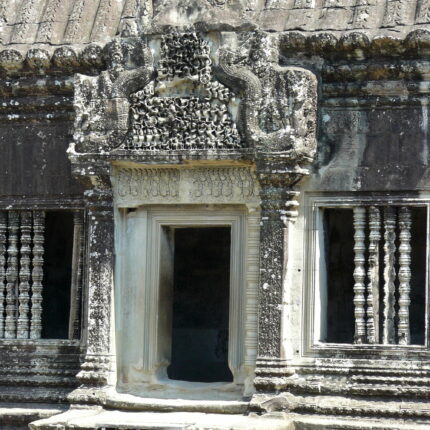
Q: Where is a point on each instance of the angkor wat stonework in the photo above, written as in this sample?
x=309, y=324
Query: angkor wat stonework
x=214, y=214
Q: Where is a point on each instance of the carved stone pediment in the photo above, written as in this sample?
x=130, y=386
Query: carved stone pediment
x=182, y=107
x=187, y=95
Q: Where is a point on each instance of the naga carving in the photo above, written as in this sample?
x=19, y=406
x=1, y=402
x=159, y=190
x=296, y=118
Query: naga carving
x=182, y=99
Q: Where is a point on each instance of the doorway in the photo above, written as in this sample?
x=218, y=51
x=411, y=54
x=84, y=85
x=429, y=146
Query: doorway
x=200, y=304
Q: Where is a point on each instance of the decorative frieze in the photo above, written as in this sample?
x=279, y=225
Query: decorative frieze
x=174, y=185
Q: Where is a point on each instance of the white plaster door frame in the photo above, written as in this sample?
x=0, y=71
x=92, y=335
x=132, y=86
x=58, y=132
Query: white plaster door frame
x=141, y=354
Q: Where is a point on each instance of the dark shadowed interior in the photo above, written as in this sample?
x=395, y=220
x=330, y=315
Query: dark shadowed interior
x=339, y=258
x=201, y=305
x=57, y=272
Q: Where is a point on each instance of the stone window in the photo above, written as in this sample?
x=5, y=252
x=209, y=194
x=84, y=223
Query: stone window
x=367, y=287
x=41, y=274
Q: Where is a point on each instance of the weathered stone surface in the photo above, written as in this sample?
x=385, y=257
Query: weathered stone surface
x=187, y=99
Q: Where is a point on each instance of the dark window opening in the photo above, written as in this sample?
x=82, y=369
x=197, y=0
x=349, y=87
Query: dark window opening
x=200, y=316
x=339, y=258
x=57, y=274
x=339, y=268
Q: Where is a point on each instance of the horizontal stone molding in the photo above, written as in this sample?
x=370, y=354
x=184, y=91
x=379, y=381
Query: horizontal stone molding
x=136, y=186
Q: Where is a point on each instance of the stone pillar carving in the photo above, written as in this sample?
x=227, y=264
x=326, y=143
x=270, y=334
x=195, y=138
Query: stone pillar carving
x=277, y=211
x=98, y=365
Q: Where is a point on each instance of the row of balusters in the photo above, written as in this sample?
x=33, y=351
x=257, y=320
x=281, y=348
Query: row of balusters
x=22, y=251
x=383, y=223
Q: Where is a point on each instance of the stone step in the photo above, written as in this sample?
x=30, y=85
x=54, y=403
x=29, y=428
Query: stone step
x=99, y=419
x=14, y=394
x=17, y=417
x=37, y=381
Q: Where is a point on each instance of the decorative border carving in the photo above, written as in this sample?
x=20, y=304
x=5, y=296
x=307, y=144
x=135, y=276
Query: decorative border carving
x=136, y=186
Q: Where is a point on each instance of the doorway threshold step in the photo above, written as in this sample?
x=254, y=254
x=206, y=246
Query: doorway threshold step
x=101, y=419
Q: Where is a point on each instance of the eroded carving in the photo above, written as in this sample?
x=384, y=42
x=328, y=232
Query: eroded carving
x=180, y=123
x=185, y=56
x=226, y=184
x=148, y=183
x=222, y=183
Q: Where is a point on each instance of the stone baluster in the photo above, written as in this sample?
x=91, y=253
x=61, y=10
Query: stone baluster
x=24, y=276
x=389, y=274
x=3, y=244
x=37, y=274
x=373, y=275
x=12, y=275
x=359, y=274
x=404, y=275
x=76, y=282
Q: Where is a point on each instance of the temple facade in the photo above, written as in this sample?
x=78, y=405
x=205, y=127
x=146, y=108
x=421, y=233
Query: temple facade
x=214, y=214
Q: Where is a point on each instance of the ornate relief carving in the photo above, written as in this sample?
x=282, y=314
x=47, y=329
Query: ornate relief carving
x=222, y=183
x=46, y=27
x=180, y=123
x=148, y=183
x=423, y=12
x=161, y=185
x=160, y=119
x=395, y=13
x=185, y=56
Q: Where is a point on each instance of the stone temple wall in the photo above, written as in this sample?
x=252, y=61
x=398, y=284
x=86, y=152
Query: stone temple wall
x=283, y=109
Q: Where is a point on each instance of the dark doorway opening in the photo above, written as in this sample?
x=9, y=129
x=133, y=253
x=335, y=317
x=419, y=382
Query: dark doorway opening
x=200, y=316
